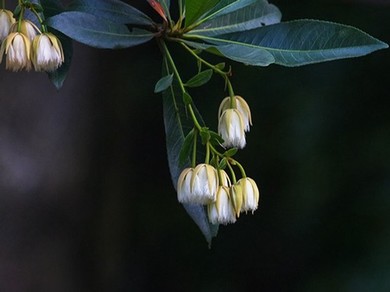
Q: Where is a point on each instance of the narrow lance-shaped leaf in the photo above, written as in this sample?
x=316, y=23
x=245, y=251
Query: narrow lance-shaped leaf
x=253, y=16
x=113, y=10
x=96, y=32
x=302, y=42
x=200, y=79
x=163, y=83
x=176, y=125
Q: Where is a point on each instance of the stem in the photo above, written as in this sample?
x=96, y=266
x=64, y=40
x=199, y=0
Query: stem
x=169, y=57
x=40, y=19
x=180, y=11
x=233, y=103
x=193, y=162
x=235, y=162
x=181, y=84
x=207, y=158
x=224, y=74
x=20, y=19
x=215, y=151
x=232, y=173
x=195, y=120
x=2, y=4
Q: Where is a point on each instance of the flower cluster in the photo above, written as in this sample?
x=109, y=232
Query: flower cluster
x=209, y=184
x=24, y=46
x=206, y=185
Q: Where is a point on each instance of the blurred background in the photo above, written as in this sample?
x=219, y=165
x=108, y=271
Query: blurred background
x=86, y=201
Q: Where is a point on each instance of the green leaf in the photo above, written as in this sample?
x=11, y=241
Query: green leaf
x=96, y=32
x=238, y=52
x=231, y=152
x=112, y=10
x=227, y=6
x=51, y=7
x=176, y=125
x=196, y=8
x=200, y=79
x=186, y=148
x=252, y=16
x=301, y=42
x=163, y=83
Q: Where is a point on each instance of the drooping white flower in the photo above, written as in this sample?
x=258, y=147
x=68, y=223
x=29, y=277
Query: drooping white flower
x=231, y=128
x=242, y=106
x=204, y=183
x=197, y=185
x=47, y=53
x=221, y=211
x=250, y=193
x=6, y=20
x=16, y=49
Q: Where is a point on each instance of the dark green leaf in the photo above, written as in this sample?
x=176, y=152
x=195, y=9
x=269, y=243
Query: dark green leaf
x=112, y=10
x=163, y=83
x=253, y=16
x=96, y=32
x=186, y=148
x=215, y=138
x=238, y=52
x=51, y=7
x=231, y=152
x=176, y=124
x=222, y=163
x=205, y=135
x=220, y=66
x=196, y=8
x=200, y=79
x=227, y=6
x=302, y=42
x=187, y=99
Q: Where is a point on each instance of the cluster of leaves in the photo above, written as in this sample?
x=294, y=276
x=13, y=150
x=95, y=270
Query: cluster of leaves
x=246, y=31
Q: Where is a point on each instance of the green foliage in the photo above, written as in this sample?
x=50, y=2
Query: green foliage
x=245, y=31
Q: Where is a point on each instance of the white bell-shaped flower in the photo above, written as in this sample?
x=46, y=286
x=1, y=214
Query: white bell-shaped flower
x=197, y=185
x=16, y=49
x=47, y=53
x=242, y=106
x=231, y=128
x=221, y=211
x=250, y=193
x=204, y=184
x=6, y=20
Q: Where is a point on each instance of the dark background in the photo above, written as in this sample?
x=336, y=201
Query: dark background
x=86, y=201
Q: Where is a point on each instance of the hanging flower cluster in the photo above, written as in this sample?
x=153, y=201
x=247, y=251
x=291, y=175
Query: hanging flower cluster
x=24, y=46
x=208, y=183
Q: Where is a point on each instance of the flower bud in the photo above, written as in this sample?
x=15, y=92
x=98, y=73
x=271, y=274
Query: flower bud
x=6, y=20
x=241, y=106
x=250, y=194
x=16, y=48
x=221, y=211
x=47, y=54
x=204, y=183
x=231, y=128
x=29, y=29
